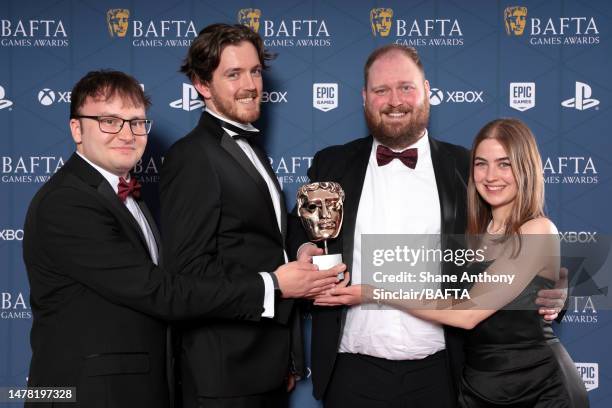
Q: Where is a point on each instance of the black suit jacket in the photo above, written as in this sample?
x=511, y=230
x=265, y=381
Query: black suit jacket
x=218, y=220
x=99, y=302
x=347, y=165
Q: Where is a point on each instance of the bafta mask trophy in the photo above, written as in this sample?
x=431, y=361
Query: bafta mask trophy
x=320, y=207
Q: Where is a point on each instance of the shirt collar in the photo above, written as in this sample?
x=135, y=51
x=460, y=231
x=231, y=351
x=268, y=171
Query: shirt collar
x=110, y=177
x=422, y=144
x=248, y=127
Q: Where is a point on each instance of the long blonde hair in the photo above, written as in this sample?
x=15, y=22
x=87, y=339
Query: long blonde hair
x=526, y=165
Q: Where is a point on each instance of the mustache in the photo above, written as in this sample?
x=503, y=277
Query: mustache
x=246, y=94
x=399, y=109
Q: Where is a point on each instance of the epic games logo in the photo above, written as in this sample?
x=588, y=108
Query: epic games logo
x=589, y=372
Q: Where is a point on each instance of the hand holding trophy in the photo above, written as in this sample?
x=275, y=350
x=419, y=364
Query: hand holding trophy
x=320, y=207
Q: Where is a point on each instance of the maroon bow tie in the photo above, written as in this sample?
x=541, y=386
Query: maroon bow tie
x=127, y=188
x=384, y=155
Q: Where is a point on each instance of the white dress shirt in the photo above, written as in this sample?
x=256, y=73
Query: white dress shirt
x=395, y=200
x=274, y=194
x=132, y=207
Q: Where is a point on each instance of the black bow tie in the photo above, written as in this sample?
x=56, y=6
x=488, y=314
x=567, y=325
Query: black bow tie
x=239, y=132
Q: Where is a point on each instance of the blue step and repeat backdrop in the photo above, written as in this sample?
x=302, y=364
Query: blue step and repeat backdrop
x=546, y=62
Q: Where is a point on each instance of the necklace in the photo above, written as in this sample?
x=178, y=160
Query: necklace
x=500, y=229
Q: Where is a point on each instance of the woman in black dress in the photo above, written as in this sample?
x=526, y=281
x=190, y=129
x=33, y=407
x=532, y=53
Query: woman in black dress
x=513, y=358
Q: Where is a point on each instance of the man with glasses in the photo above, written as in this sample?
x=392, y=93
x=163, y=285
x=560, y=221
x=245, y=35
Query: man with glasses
x=91, y=248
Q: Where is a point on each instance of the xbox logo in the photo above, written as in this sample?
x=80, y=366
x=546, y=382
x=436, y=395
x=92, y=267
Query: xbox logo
x=436, y=96
x=46, y=97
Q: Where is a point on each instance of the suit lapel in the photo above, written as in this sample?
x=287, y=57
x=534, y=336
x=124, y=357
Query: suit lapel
x=352, y=183
x=444, y=165
x=283, y=207
x=210, y=126
x=120, y=209
x=153, y=226
x=82, y=170
x=232, y=147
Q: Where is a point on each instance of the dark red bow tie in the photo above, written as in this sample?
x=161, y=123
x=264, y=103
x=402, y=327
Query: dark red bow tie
x=384, y=155
x=127, y=188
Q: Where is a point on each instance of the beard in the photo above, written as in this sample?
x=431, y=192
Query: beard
x=230, y=108
x=400, y=135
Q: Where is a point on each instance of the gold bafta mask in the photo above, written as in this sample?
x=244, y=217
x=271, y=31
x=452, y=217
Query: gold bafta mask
x=250, y=17
x=320, y=207
x=515, y=19
x=381, y=20
x=118, y=22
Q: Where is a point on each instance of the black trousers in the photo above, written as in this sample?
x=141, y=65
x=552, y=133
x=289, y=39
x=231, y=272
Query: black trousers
x=360, y=381
x=273, y=399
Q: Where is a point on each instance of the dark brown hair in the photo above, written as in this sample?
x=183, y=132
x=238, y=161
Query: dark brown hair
x=379, y=52
x=106, y=84
x=205, y=52
x=526, y=164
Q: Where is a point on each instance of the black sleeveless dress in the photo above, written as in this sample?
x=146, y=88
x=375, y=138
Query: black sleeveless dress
x=513, y=359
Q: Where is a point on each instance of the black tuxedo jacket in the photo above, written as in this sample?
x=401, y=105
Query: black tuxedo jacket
x=99, y=302
x=347, y=165
x=218, y=220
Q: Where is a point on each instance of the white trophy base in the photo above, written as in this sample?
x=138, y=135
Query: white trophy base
x=328, y=261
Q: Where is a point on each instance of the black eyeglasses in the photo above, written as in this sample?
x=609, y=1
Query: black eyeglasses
x=111, y=124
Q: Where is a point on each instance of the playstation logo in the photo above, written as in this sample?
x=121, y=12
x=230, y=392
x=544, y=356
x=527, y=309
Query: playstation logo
x=189, y=101
x=582, y=100
x=4, y=103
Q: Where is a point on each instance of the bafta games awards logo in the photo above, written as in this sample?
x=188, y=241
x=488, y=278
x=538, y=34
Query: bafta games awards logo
x=381, y=21
x=522, y=95
x=289, y=32
x=570, y=170
x=14, y=306
x=417, y=32
x=515, y=19
x=189, y=100
x=147, y=169
x=544, y=30
x=250, y=17
x=45, y=32
x=289, y=169
x=582, y=98
x=118, y=22
x=29, y=169
x=174, y=32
